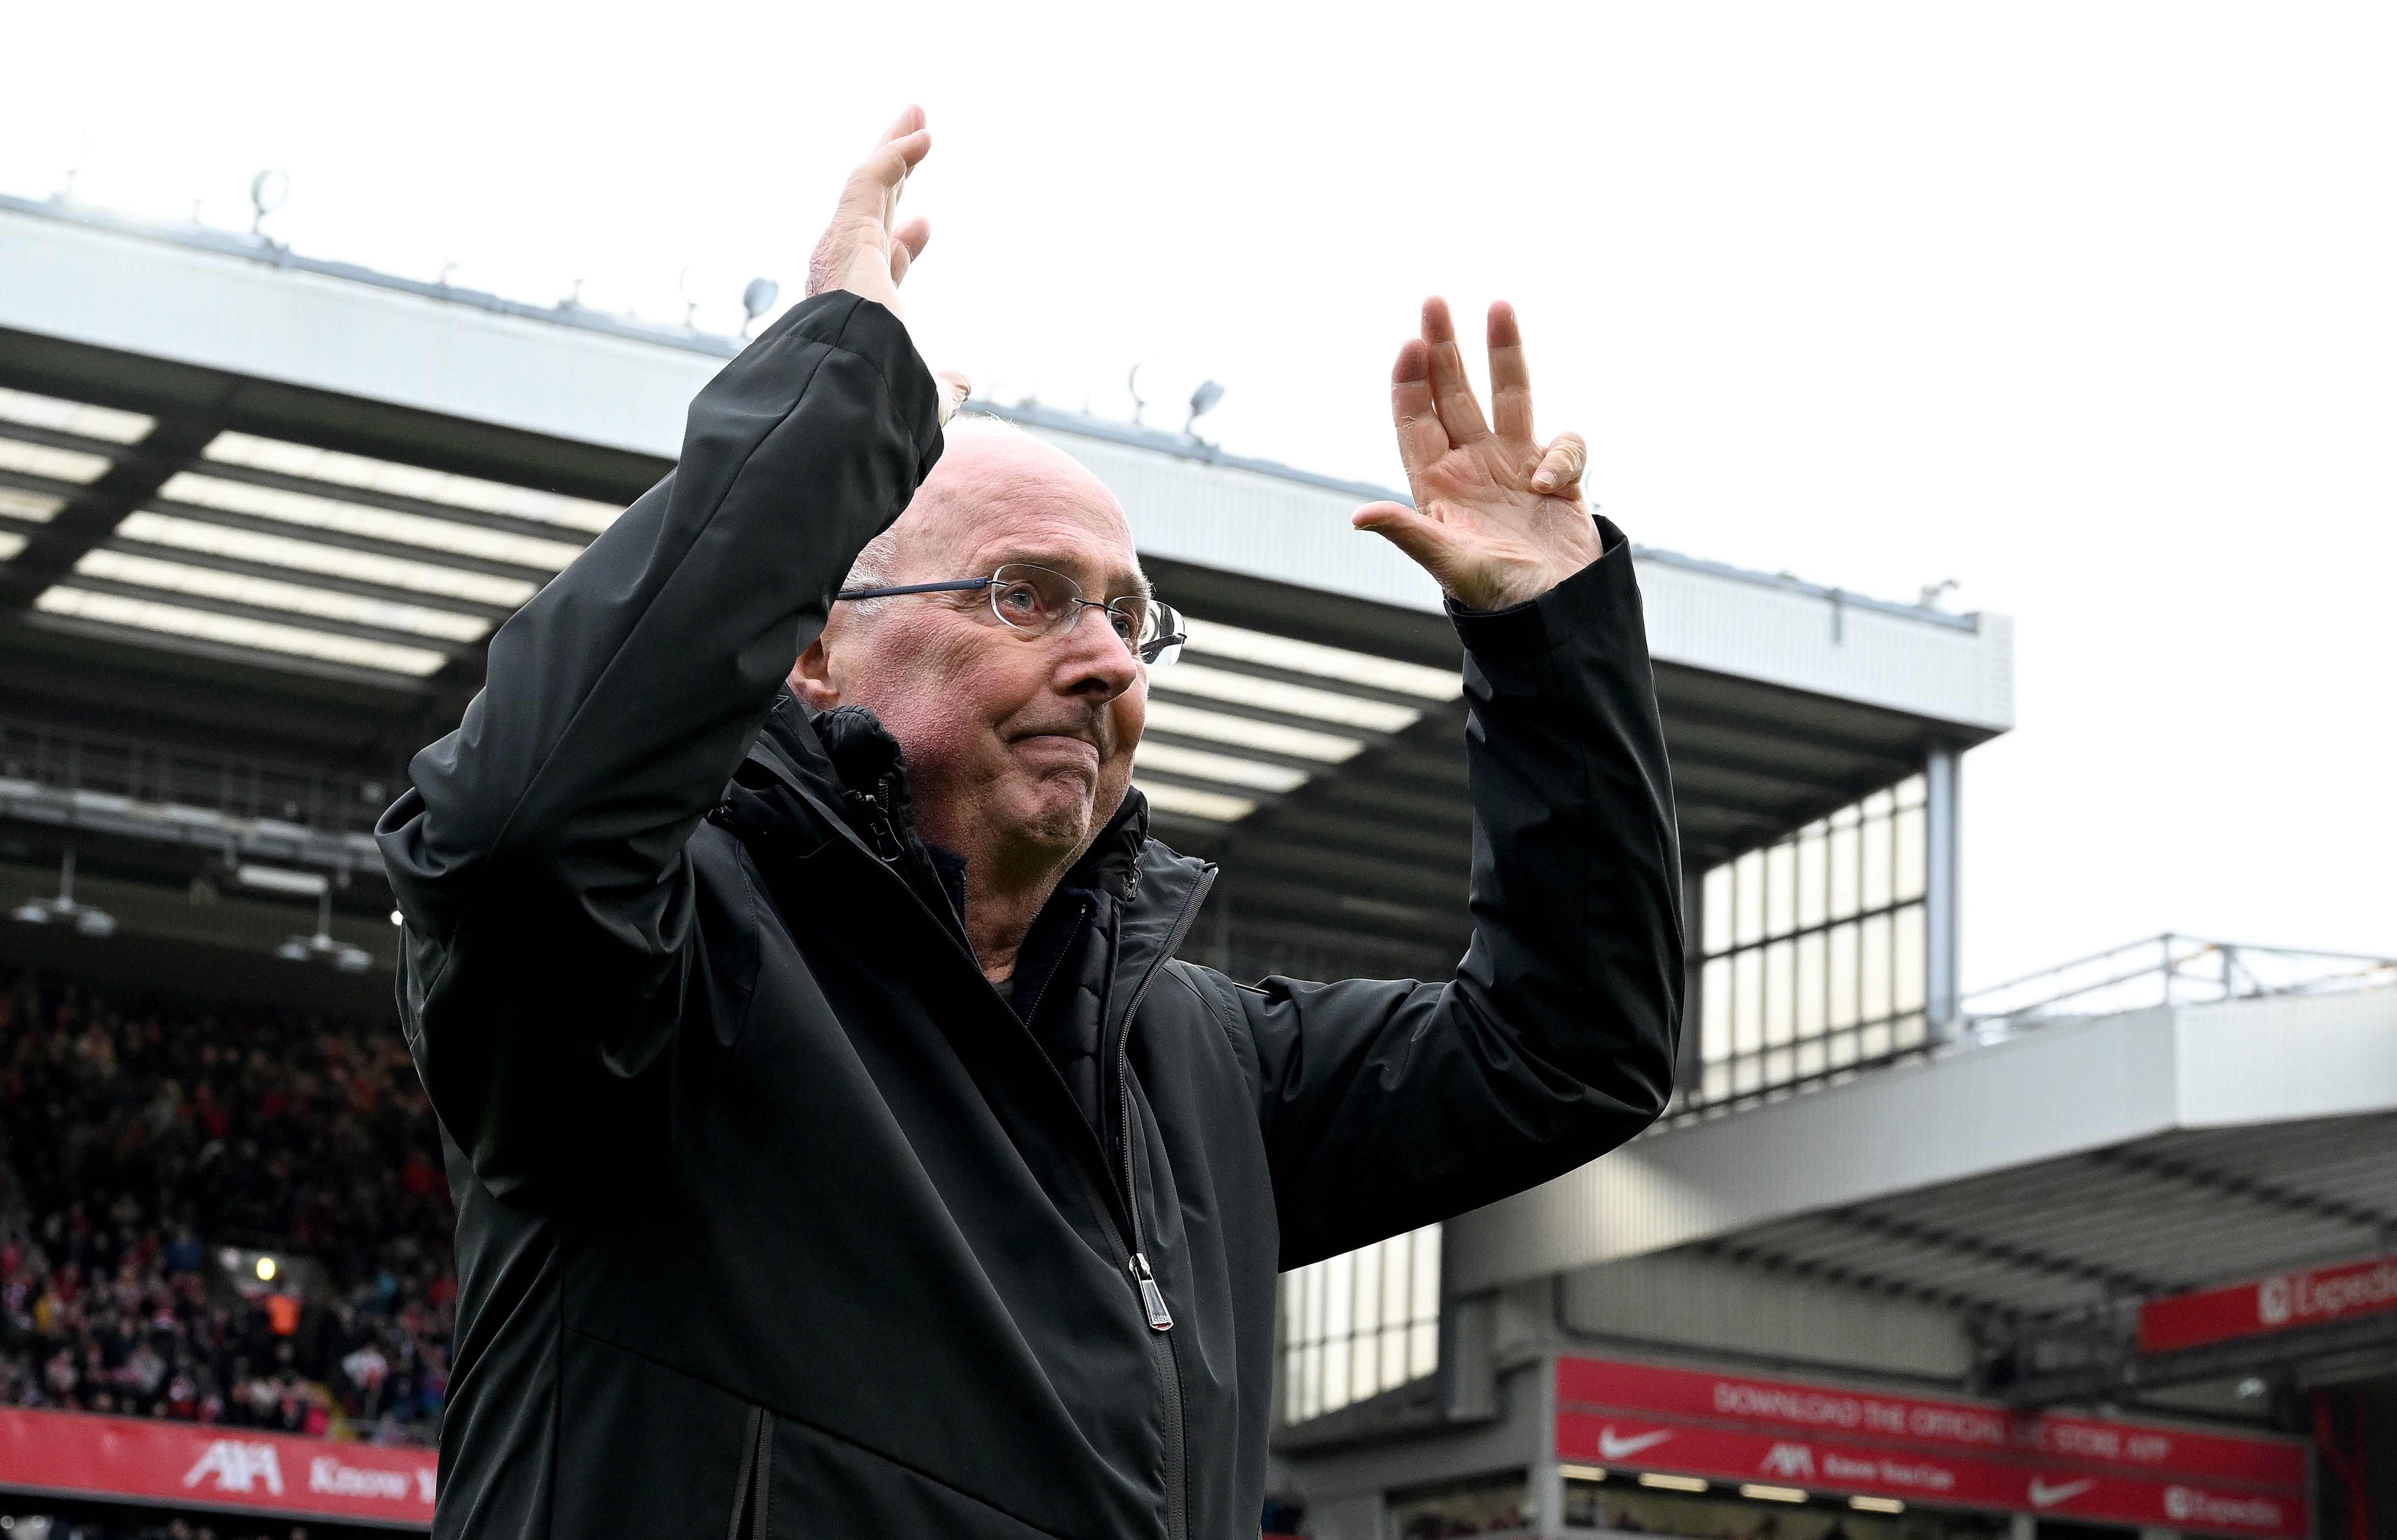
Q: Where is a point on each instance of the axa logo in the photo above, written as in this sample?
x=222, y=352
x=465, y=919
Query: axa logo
x=2272, y=1301
x=2045, y=1497
x=1614, y=1446
x=1788, y=1461
x=236, y=1466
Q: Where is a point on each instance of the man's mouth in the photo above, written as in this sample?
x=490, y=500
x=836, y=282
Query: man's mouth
x=1081, y=739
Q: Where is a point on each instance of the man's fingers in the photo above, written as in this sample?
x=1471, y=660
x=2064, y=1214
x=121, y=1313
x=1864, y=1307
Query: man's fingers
x=1421, y=438
x=1560, y=468
x=1459, y=413
x=955, y=388
x=910, y=118
x=906, y=245
x=1510, y=377
x=1428, y=542
x=872, y=189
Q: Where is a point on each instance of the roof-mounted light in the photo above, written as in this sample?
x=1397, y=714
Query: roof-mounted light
x=80, y=418
x=1352, y=711
x=1248, y=732
x=52, y=463
x=1201, y=765
x=269, y=594
x=358, y=518
x=1330, y=662
x=332, y=561
x=1213, y=807
x=233, y=631
x=412, y=481
x=32, y=507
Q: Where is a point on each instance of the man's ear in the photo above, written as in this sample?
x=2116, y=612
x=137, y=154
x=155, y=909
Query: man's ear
x=811, y=677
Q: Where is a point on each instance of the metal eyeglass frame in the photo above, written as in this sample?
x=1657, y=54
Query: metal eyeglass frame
x=1156, y=653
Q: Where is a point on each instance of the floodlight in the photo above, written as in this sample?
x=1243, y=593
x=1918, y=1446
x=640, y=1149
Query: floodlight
x=1203, y=401
x=268, y=191
x=757, y=299
x=41, y=911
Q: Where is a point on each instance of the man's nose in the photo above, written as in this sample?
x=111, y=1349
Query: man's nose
x=1096, y=661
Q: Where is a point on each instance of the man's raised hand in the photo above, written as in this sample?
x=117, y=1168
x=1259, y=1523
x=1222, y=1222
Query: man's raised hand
x=864, y=250
x=1498, y=518
x=861, y=251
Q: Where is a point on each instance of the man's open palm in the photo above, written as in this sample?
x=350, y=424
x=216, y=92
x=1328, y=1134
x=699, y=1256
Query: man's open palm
x=1498, y=517
x=866, y=250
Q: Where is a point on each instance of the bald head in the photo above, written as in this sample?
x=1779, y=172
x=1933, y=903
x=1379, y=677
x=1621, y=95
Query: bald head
x=1019, y=742
x=993, y=479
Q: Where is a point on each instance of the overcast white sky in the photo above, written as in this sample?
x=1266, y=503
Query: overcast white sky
x=2087, y=306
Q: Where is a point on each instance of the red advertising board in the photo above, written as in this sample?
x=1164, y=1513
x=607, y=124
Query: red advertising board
x=1965, y=1453
x=193, y=1465
x=2315, y=1297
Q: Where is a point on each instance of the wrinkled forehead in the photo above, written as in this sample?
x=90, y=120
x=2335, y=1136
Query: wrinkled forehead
x=1000, y=498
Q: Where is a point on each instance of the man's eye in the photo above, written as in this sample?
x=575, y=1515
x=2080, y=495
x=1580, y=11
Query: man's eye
x=1125, y=626
x=1020, y=597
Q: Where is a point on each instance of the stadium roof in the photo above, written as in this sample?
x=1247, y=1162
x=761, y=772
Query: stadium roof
x=2054, y=1175
x=259, y=514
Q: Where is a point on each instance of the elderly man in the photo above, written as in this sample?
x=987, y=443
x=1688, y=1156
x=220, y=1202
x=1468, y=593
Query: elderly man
x=839, y=1146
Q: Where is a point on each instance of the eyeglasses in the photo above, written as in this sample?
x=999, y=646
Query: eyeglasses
x=1044, y=603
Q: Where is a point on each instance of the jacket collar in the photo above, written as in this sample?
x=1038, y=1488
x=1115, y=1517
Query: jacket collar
x=1150, y=884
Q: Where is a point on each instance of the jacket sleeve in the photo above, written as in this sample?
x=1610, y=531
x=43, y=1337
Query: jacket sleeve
x=1386, y=1106
x=540, y=859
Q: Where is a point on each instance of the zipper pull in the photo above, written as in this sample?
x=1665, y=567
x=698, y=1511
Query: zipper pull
x=1151, y=1296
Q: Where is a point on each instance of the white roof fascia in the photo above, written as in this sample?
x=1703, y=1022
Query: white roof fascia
x=2056, y=1090
x=248, y=308
x=247, y=316
x=1946, y=668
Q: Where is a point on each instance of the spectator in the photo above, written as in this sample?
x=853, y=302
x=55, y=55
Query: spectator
x=131, y=1140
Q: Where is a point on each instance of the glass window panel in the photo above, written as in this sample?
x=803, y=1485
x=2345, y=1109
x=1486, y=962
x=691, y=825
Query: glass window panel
x=1715, y=1083
x=1747, y=899
x=1780, y=992
x=1810, y=1059
x=1423, y=1350
x=1780, y=890
x=1814, y=878
x=1912, y=792
x=1912, y=955
x=1368, y=1265
x=1843, y=1046
x=1780, y=1065
x=1879, y=805
x=1843, y=871
x=1339, y=1295
x=1715, y=903
x=1810, y=985
x=1336, y=1373
x=1746, y=1075
x=1842, y=947
x=1912, y=859
x=1876, y=859
x=1873, y=970
x=1425, y=1272
x=1747, y=1002
x=1714, y=1003
x=1874, y=1041
x=1911, y=1032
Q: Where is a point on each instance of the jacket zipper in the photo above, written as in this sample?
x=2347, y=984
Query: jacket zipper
x=1152, y=1297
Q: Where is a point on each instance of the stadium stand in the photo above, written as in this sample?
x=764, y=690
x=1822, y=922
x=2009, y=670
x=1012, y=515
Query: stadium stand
x=219, y=1214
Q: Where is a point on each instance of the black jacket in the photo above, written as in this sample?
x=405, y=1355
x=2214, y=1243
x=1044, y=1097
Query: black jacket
x=773, y=1217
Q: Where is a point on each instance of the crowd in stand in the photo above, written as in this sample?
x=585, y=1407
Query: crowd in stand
x=150, y=1152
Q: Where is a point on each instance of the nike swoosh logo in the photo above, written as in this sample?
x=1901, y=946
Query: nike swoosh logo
x=2045, y=1497
x=1610, y=1447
